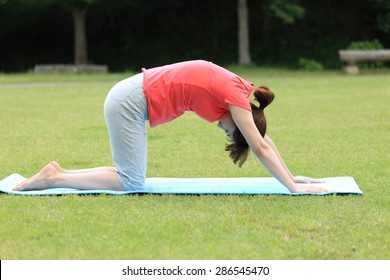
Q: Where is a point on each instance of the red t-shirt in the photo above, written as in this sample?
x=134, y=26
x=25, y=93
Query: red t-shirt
x=198, y=86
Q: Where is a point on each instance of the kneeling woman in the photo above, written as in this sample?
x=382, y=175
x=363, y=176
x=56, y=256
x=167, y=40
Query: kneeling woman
x=160, y=95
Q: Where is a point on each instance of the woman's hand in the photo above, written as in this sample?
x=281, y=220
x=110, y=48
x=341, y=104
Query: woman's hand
x=309, y=188
x=307, y=180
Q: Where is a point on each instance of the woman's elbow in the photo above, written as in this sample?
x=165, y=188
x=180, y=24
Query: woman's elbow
x=261, y=150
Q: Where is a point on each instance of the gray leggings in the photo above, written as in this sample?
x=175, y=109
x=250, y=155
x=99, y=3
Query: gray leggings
x=126, y=112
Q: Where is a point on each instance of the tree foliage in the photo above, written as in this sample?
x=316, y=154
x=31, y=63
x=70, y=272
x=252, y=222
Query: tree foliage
x=128, y=34
x=383, y=18
x=286, y=10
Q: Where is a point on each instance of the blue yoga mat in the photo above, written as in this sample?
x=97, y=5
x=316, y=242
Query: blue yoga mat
x=262, y=185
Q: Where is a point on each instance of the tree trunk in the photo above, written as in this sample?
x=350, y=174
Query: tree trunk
x=244, y=57
x=80, y=38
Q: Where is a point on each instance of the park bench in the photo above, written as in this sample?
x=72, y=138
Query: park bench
x=353, y=57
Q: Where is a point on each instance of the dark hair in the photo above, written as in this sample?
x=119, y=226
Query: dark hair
x=239, y=148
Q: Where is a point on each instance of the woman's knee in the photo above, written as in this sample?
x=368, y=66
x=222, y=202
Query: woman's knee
x=131, y=184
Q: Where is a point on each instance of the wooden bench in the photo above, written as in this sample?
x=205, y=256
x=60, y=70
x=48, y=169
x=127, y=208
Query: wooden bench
x=353, y=57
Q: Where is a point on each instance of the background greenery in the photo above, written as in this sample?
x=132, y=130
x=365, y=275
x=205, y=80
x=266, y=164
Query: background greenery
x=129, y=34
x=324, y=123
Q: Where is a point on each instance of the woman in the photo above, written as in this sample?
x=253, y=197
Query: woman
x=160, y=95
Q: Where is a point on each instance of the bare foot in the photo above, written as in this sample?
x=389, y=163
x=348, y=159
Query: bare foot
x=43, y=180
x=57, y=167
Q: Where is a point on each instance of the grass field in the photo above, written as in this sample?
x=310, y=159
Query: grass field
x=325, y=124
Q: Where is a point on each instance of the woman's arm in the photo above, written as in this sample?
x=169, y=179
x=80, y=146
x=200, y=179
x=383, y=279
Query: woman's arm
x=264, y=152
x=295, y=179
x=273, y=146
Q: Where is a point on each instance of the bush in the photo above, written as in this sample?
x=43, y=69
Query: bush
x=309, y=64
x=367, y=45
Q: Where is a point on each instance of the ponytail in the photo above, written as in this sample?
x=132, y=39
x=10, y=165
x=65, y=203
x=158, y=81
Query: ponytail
x=264, y=96
x=238, y=149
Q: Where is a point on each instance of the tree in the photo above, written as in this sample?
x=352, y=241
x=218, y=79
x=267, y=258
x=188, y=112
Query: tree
x=383, y=15
x=78, y=9
x=244, y=57
x=286, y=11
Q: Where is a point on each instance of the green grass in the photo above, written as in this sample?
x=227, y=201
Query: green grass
x=325, y=124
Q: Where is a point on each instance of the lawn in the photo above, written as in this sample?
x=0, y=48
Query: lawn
x=324, y=124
